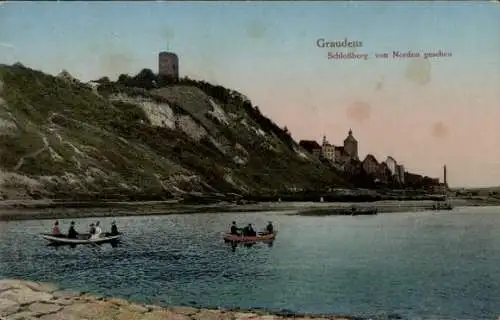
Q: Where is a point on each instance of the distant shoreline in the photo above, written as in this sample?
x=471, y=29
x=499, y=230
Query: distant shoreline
x=48, y=209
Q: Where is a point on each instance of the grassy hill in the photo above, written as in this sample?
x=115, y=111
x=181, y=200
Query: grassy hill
x=61, y=138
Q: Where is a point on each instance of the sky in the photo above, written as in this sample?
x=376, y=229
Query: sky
x=423, y=112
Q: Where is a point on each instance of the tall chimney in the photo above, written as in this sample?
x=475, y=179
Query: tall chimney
x=444, y=176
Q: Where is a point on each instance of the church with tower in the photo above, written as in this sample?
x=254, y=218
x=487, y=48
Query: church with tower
x=351, y=146
x=340, y=154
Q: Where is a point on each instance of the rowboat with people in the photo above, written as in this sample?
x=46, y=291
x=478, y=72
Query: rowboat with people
x=248, y=234
x=81, y=239
x=95, y=236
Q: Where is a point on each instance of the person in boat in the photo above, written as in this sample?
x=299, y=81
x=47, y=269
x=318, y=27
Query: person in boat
x=252, y=232
x=92, y=229
x=114, y=229
x=72, y=234
x=269, y=227
x=98, y=230
x=248, y=231
x=245, y=231
x=234, y=229
x=55, y=230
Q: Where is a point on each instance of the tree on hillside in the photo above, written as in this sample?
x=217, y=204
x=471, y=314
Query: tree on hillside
x=145, y=79
x=103, y=80
x=165, y=81
x=125, y=80
x=18, y=65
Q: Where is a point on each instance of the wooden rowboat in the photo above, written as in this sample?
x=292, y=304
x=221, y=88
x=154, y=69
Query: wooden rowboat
x=262, y=237
x=82, y=239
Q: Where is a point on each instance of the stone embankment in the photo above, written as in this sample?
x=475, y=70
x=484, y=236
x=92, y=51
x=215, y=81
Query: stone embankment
x=26, y=300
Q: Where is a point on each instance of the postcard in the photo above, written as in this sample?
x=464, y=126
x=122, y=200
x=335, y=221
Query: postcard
x=249, y=160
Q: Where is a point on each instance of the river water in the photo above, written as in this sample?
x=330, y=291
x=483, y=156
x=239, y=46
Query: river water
x=419, y=265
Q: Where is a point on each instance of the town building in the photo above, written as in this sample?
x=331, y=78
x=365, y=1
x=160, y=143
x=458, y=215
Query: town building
x=400, y=173
x=397, y=170
x=311, y=146
x=371, y=165
x=380, y=171
x=340, y=155
x=383, y=173
x=391, y=164
x=327, y=150
x=440, y=188
x=346, y=158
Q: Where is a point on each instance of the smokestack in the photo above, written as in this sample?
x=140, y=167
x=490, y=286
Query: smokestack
x=444, y=176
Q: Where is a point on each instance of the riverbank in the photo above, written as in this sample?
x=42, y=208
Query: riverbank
x=30, y=300
x=378, y=207
x=42, y=209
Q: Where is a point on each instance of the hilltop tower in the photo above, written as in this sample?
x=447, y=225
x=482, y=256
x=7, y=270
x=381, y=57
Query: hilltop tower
x=168, y=64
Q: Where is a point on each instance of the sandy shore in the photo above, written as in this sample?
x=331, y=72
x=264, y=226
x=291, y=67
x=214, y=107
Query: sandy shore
x=30, y=210
x=30, y=300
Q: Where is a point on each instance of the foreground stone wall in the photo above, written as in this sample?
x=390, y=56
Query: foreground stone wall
x=31, y=301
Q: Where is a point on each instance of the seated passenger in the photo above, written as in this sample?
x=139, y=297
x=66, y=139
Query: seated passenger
x=269, y=227
x=234, y=229
x=98, y=230
x=55, y=229
x=246, y=231
x=114, y=229
x=72, y=234
x=251, y=231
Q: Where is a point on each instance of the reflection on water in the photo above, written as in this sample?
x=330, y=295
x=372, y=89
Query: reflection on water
x=55, y=245
x=429, y=265
x=235, y=245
